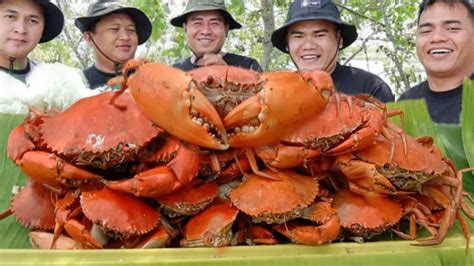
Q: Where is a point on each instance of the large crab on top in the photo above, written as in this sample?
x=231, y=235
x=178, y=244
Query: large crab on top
x=218, y=106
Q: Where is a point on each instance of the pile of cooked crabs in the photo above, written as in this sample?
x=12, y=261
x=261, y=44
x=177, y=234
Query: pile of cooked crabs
x=223, y=156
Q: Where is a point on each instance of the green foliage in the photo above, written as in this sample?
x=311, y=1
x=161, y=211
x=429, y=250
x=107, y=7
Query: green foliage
x=13, y=234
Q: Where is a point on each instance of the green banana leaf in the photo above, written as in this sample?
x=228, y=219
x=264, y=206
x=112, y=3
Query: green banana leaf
x=467, y=120
x=417, y=121
x=456, y=142
x=12, y=234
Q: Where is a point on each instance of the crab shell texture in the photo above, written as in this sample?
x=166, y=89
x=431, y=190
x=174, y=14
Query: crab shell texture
x=336, y=124
x=275, y=201
x=33, y=207
x=171, y=99
x=325, y=226
x=190, y=199
x=210, y=228
x=95, y=133
x=119, y=213
x=421, y=164
x=286, y=100
x=225, y=86
x=366, y=216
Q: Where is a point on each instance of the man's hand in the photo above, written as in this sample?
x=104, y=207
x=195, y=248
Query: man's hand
x=211, y=59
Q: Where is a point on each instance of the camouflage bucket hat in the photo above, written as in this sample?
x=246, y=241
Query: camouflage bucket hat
x=105, y=7
x=205, y=5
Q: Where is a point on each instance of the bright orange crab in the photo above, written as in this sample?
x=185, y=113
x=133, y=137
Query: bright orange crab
x=347, y=124
x=190, y=199
x=283, y=201
x=33, y=207
x=272, y=104
x=210, y=228
x=275, y=201
x=93, y=140
x=390, y=167
x=119, y=214
x=366, y=216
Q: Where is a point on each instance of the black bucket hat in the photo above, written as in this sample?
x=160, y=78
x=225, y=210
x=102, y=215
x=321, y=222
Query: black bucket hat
x=206, y=5
x=53, y=20
x=105, y=7
x=302, y=10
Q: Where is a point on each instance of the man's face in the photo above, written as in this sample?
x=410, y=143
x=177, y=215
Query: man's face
x=116, y=36
x=445, y=40
x=313, y=44
x=21, y=28
x=205, y=32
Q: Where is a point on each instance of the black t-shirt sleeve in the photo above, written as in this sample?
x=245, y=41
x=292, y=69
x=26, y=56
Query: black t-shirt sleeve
x=383, y=92
x=416, y=92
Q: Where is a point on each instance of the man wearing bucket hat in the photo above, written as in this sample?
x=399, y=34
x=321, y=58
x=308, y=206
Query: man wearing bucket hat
x=313, y=35
x=114, y=31
x=206, y=24
x=23, y=82
x=444, y=45
x=24, y=24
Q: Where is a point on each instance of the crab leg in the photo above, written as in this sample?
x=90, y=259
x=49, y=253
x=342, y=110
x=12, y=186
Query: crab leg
x=44, y=167
x=364, y=175
x=165, y=179
x=79, y=232
x=286, y=156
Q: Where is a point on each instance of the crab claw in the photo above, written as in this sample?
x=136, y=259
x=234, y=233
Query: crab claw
x=169, y=97
x=162, y=179
x=286, y=100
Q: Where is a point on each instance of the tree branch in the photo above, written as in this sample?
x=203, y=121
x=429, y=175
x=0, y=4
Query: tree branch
x=269, y=26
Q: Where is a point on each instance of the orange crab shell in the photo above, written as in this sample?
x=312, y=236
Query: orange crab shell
x=226, y=86
x=95, y=133
x=119, y=212
x=190, y=199
x=211, y=228
x=406, y=172
x=275, y=201
x=366, y=215
x=33, y=207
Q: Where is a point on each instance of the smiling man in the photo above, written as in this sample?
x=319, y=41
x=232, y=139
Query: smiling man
x=114, y=32
x=445, y=48
x=25, y=83
x=313, y=35
x=206, y=24
x=24, y=24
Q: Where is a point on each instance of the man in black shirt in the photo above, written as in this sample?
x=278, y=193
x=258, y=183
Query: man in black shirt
x=313, y=34
x=114, y=31
x=206, y=24
x=444, y=45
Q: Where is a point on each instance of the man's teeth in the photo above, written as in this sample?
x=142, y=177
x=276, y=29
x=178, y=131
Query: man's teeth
x=440, y=51
x=309, y=57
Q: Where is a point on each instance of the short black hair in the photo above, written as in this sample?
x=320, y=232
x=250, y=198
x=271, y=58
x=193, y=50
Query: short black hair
x=469, y=4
